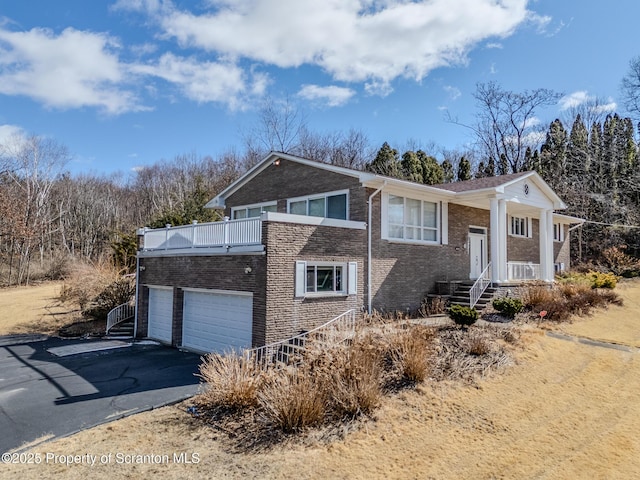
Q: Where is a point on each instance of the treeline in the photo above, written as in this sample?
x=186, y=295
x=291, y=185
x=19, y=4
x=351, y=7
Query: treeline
x=595, y=169
x=50, y=219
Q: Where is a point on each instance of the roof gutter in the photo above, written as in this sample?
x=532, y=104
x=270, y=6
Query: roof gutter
x=369, y=228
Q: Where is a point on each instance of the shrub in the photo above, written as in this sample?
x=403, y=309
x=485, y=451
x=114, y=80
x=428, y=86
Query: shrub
x=292, y=400
x=508, y=306
x=411, y=351
x=432, y=306
x=463, y=315
x=232, y=381
x=534, y=296
x=603, y=280
x=617, y=261
x=116, y=293
x=354, y=380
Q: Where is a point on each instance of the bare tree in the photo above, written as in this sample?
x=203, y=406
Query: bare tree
x=278, y=129
x=630, y=87
x=592, y=110
x=506, y=123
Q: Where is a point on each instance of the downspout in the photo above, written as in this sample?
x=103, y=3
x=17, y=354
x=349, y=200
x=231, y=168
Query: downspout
x=369, y=227
x=135, y=311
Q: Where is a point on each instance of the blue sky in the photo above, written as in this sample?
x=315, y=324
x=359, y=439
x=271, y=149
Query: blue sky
x=129, y=82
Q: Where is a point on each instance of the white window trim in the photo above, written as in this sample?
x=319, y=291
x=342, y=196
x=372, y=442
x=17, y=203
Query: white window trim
x=560, y=227
x=527, y=222
x=441, y=222
x=349, y=279
x=324, y=195
x=253, y=205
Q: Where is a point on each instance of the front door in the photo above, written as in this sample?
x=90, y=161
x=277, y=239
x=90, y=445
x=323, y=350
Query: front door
x=477, y=253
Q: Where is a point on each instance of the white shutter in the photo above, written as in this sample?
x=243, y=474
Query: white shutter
x=529, y=228
x=352, y=278
x=301, y=279
x=444, y=225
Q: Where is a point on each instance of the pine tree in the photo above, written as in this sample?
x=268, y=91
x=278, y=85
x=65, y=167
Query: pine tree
x=386, y=162
x=553, y=154
x=447, y=170
x=464, y=170
x=490, y=169
x=594, y=160
x=503, y=165
x=412, y=167
x=578, y=149
x=432, y=173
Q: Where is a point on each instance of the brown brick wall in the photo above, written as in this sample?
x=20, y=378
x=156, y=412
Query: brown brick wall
x=562, y=250
x=404, y=273
x=525, y=249
x=287, y=243
x=292, y=179
x=220, y=272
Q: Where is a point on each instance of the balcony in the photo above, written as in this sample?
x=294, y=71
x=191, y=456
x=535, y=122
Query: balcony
x=238, y=235
x=225, y=237
x=523, y=271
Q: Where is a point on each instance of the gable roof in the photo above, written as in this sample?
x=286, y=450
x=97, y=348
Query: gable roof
x=450, y=190
x=481, y=183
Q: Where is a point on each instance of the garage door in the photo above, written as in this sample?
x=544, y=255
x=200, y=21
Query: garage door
x=217, y=322
x=160, y=313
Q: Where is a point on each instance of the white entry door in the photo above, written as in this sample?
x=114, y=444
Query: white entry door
x=477, y=254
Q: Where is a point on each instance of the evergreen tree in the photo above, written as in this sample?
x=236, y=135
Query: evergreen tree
x=553, y=154
x=412, y=167
x=528, y=160
x=594, y=160
x=464, y=170
x=447, y=170
x=480, y=173
x=503, y=165
x=386, y=162
x=578, y=149
x=432, y=173
x=490, y=169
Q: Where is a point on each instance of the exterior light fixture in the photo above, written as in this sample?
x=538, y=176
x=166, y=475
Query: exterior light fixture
x=276, y=162
x=247, y=270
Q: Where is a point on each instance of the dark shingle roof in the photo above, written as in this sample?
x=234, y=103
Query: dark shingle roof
x=480, y=183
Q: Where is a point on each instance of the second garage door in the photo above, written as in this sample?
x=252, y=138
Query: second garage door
x=217, y=321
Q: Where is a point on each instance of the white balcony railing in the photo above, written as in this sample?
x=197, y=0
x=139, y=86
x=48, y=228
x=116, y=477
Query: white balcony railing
x=519, y=271
x=227, y=233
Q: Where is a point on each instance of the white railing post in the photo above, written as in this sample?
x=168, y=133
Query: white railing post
x=225, y=232
x=194, y=229
x=166, y=236
x=480, y=285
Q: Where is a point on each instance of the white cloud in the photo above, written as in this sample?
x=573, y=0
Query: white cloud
x=595, y=104
x=70, y=70
x=9, y=133
x=497, y=45
x=207, y=81
x=574, y=99
x=355, y=40
x=453, y=92
x=332, y=95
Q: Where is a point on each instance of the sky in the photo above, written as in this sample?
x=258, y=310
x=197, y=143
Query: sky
x=126, y=83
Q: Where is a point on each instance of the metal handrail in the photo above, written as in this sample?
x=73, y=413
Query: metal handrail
x=480, y=285
x=286, y=351
x=120, y=314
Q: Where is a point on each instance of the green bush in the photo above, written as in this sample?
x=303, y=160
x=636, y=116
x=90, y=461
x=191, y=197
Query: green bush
x=603, y=280
x=508, y=306
x=463, y=315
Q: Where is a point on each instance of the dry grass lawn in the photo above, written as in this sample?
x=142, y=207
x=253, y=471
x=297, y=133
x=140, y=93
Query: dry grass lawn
x=566, y=411
x=34, y=309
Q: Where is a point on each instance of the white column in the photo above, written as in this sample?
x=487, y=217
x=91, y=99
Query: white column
x=498, y=224
x=550, y=257
x=495, y=240
x=502, y=232
x=546, y=245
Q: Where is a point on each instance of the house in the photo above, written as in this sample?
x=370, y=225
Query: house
x=303, y=242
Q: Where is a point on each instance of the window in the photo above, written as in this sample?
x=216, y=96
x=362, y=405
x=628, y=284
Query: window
x=520, y=227
x=411, y=219
x=317, y=279
x=558, y=232
x=251, y=211
x=330, y=205
x=324, y=278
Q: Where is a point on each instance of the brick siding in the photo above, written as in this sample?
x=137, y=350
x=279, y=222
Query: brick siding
x=292, y=179
x=287, y=315
x=520, y=249
x=562, y=250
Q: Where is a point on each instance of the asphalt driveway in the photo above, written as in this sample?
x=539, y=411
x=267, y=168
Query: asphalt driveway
x=42, y=394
